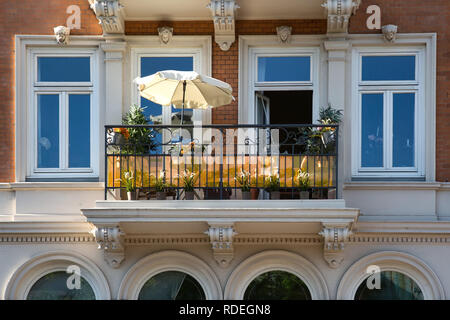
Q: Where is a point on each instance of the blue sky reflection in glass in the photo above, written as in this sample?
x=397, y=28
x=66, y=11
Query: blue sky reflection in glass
x=388, y=68
x=64, y=69
x=286, y=68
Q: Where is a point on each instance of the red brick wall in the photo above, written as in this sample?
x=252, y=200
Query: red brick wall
x=28, y=17
x=416, y=16
x=25, y=17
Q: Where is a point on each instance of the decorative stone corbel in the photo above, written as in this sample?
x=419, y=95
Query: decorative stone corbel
x=221, y=238
x=284, y=34
x=62, y=34
x=165, y=34
x=223, y=12
x=334, y=238
x=338, y=14
x=389, y=32
x=110, y=240
x=109, y=15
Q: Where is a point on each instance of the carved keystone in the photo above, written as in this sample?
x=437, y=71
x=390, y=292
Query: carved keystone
x=335, y=237
x=110, y=240
x=221, y=238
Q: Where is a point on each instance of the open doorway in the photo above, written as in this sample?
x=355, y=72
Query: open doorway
x=284, y=107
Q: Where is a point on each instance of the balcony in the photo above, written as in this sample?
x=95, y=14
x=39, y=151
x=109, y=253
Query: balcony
x=273, y=159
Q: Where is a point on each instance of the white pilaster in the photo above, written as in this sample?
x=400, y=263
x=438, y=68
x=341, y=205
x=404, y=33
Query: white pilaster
x=337, y=90
x=114, y=54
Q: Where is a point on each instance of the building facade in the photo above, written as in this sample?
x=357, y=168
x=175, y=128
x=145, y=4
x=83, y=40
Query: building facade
x=378, y=199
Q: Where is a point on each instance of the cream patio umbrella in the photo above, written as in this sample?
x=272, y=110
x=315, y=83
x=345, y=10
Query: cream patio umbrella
x=185, y=89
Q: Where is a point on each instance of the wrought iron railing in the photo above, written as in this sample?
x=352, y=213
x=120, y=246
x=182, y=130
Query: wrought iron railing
x=216, y=154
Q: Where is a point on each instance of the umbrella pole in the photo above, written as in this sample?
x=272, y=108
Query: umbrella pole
x=184, y=94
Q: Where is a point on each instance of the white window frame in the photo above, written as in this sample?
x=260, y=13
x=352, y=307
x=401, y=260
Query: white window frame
x=35, y=87
x=199, y=47
x=166, y=111
x=388, y=88
x=256, y=86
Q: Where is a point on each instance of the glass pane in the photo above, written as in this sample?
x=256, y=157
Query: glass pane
x=388, y=68
x=79, y=131
x=151, y=65
x=277, y=285
x=53, y=286
x=64, y=69
x=48, y=131
x=372, y=130
x=403, y=130
x=284, y=69
x=393, y=286
x=172, y=285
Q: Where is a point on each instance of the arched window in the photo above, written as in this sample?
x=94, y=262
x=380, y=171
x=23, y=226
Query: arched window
x=172, y=285
x=393, y=286
x=277, y=285
x=53, y=286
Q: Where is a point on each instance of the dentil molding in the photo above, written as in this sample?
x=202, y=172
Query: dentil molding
x=110, y=240
x=338, y=14
x=109, y=15
x=223, y=14
x=221, y=238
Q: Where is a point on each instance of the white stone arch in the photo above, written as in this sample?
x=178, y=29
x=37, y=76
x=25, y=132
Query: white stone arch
x=275, y=260
x=169, y=260
x=22, y=280
x=401, y=262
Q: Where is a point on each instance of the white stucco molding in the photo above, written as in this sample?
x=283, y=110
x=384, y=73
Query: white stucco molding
x=407, y=264
x=223, y=14
x=338, y=14
x=221, y=238
x=22, y=280
x=110, y=240
x=335, y=236
x=170, y=260
x=109, y=14
x=272, y=260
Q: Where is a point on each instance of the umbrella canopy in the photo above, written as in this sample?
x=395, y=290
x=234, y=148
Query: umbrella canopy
x=184, y=89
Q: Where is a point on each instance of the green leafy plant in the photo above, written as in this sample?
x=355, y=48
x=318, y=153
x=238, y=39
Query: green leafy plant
x=161, y=183
x=188, y=179
x=128, y=181
x=140, y=140
x=302, y=179
x=243, y=178
x=330, y=115
x=273, y=182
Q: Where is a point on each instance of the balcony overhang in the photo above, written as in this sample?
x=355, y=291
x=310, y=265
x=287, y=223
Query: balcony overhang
x=222, y=224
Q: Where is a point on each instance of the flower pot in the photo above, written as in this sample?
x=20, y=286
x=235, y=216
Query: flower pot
x=254, y=194
x=131, y=195
x=304, y=195
x=274, y=195
x=331, y=193
x=161, y=195
x=246, y=195
x=189, y=195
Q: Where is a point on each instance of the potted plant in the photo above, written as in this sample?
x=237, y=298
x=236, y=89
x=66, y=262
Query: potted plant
x=302, y=178
x=243, y=178
x=140, y=139
x=161, y=186
x=188, y=179
x=273, y=186
x=130, y=185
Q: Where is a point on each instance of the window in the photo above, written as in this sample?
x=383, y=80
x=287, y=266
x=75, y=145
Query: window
x=390, y=115
x=393, y=286
x=283, y=83
x=62, y=129
x=172, y=285
x=53, y=286
x=277, y=285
